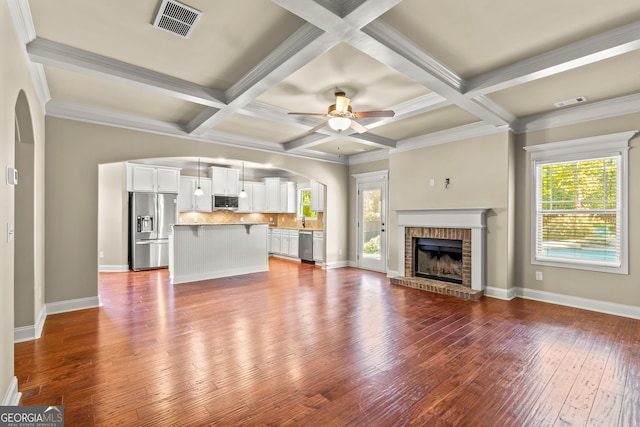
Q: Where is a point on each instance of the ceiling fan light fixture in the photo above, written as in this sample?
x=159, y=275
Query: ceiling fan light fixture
x=339, y=123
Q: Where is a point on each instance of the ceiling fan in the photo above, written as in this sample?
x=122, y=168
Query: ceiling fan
x=341, y=116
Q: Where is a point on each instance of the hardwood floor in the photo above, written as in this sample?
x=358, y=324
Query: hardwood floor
x=303, y=346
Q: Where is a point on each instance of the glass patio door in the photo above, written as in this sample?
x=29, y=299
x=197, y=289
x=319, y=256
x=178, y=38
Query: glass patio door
x=372, y=223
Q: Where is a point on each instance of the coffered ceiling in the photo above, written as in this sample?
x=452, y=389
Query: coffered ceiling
x=449, y=69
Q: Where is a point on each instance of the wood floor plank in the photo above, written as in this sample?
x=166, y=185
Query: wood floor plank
x=302, y=346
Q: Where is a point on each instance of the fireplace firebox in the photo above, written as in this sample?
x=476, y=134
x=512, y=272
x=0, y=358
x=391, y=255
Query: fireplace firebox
x=439, y=259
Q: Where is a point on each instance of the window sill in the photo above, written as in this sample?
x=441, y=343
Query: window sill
x=623, y=269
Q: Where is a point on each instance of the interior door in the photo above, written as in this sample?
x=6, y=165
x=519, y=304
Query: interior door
x=372, y=221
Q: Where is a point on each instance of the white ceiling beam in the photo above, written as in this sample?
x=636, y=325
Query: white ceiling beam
x=69, y=58
x=371, y=140
x=593, y=49
x=299, y=49
x=389, y=46
x=307, y=141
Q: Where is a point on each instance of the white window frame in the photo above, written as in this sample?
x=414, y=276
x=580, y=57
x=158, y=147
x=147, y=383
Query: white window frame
x=300, y=188
x=581, y=149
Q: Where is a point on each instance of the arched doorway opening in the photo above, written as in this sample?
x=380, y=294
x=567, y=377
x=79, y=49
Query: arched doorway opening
x=24, y=228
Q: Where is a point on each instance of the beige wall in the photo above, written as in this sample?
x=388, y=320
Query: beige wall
x=615, y=288
x=75, y=149
x=112, y=215
x=478, y=170
x=13, y=78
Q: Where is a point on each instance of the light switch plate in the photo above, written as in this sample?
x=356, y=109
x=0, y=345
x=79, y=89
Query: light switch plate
x=12, y=176
x=9, y=232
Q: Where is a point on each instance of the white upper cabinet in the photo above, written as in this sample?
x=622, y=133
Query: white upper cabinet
x=288, y=197
x=189, y=202
x=273, y=194
x=255, y=200
x=225, y=181
x=152, y=179
x=317, y=196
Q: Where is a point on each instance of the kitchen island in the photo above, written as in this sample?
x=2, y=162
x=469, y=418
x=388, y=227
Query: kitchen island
x=209, y=251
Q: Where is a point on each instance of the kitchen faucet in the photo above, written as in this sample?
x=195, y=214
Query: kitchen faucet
x=303, y=225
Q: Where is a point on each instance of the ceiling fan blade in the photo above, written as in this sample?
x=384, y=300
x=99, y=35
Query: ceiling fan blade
x=342, y=103
x=358, y=127
x=308, y=114
x=317, y=128
x=385, y=113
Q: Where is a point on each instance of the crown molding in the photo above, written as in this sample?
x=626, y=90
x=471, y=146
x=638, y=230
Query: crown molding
x=371, y=156
x=459, y=133
x=26, y=32
x=103, y=117
x=579, y=114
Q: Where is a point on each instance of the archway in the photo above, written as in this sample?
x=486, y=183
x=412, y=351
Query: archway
x=24, y=259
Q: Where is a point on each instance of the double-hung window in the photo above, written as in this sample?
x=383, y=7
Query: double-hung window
x=579, y=203
x=304, y=204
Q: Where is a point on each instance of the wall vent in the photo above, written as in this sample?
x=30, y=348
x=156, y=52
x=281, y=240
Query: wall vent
x=571, y=101
x=176, y=18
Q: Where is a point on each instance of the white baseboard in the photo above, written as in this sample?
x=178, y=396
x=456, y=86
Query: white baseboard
x=616, y=309
x=338, y=264
x=72, y=305
x=506, y=294
x=31, y=332
x=12, y=395
x=40, y=322
x=113, y=268
x=393, y=273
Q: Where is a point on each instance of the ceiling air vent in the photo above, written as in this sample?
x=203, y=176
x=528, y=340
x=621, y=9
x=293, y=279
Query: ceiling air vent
x=571, y=101
x=176, y=18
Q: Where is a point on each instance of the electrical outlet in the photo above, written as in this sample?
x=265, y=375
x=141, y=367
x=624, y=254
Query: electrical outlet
x=538, y=275
x=101, y=254
x=432, y=182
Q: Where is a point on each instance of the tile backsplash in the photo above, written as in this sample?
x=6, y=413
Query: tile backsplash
x=285, y=220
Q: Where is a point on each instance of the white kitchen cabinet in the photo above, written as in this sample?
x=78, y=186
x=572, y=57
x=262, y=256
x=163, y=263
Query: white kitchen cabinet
x=189, y=202
x=269, y=240
x=152, y=179
x=284, y=243
x=272, y=188
x=293, y=244
x=288, y=197
x=318, y=246
x=225, y=181
x=255, y=200
x=276, y=240
x=317, y=196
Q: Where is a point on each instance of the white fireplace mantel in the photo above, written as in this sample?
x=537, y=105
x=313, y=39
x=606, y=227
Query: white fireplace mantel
x=472, y=218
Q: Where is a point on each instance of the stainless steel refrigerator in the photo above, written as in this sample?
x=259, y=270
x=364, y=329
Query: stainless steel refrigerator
x=151, y=216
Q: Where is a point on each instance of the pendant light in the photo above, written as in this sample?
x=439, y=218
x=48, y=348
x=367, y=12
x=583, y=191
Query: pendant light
x=198, y=191
x=243, y=193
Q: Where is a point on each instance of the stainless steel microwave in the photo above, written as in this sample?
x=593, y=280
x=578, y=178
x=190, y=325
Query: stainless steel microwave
x=229, y=203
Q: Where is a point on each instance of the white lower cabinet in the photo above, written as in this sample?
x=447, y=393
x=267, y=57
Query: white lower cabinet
x=318, y=246
x=276, y=240
x=284, y=242
x=293, y=243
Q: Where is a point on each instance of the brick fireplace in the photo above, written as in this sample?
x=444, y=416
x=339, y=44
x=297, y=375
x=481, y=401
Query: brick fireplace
x=443, y=225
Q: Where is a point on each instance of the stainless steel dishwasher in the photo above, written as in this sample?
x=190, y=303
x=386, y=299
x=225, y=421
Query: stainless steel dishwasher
x=305, y=246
